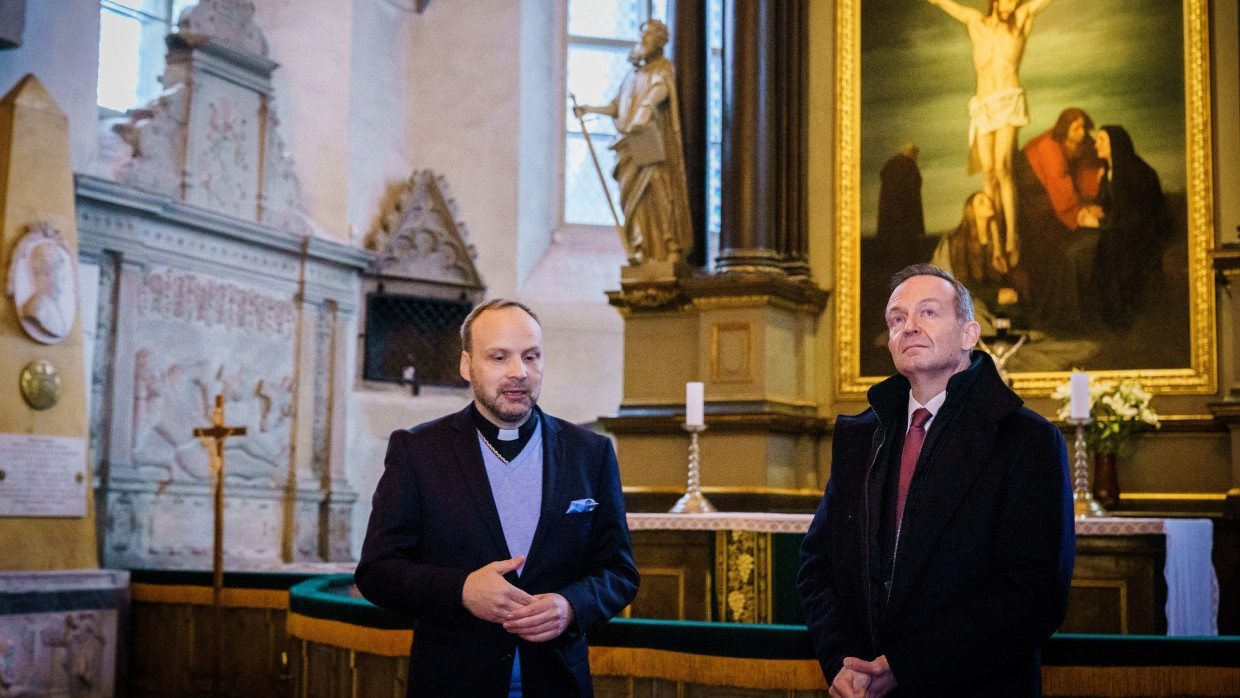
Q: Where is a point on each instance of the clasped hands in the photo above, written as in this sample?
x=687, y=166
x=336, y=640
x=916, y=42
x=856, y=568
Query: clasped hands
x=862, y=679
x=532, y=617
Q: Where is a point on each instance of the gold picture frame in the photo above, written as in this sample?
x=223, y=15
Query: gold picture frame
x=1197, y=375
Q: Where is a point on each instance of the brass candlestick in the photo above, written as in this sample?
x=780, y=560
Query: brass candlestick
x=1084, y=506
x=693, y=502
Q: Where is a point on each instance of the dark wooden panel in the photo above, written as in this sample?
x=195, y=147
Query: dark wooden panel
x=171, y=651
x=1118, y=586
x=675, y=568
x=380, y=677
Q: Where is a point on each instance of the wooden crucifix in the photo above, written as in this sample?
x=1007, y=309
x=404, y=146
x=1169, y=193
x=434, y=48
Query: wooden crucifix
x=213, y=439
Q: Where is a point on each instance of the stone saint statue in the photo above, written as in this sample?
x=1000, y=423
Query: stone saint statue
x=650, y=167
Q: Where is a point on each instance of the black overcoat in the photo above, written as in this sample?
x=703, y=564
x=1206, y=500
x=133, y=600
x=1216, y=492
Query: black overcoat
x=981, y=574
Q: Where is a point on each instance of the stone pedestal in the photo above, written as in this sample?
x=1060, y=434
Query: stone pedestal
x=749, y=338
x=60, y=630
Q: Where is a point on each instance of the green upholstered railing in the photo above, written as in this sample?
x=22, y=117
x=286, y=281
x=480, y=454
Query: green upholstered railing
x=780, y=656
x=334, y=597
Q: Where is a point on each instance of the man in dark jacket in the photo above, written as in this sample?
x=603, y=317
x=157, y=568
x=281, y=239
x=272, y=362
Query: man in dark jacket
x=500, y=529
x=940, y=557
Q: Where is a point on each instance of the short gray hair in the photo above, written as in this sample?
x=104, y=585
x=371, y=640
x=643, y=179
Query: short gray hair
x=494, y=304
x=964, y=301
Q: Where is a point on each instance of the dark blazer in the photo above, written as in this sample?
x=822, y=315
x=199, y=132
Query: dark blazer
x=981, y=575
x=434, y=521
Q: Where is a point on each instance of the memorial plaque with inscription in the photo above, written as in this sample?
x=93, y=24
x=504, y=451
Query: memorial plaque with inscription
x=42, y=475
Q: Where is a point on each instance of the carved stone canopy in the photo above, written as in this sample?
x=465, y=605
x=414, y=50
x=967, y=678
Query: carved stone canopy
x=422, y=244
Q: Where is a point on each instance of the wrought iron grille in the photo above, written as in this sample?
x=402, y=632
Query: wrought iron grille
x=404, y=331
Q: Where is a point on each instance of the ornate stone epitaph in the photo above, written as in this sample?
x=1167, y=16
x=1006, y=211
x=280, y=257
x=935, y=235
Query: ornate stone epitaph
x=214, y=281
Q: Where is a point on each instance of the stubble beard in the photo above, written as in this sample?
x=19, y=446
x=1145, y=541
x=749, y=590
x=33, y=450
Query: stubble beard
x=509, y=415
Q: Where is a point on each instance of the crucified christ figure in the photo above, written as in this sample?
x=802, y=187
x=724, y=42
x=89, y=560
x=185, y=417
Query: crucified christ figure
x=998, y=109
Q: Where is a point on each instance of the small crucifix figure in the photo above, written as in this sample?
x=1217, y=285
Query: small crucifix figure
x=213, y=439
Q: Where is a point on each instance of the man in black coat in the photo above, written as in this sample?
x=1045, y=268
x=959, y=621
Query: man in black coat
x=500, y=529
x=939, y=571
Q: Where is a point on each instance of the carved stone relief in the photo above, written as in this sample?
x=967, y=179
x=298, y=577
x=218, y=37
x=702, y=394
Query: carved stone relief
x=226, y=160
x=104, y=357
x=64, y=643
x=281, y=192
x=196, y=212
x=231, y=21
x=324, y=331
x=423, y=238
x=155, y=133
x=62, y=654
x=201, y=337
x=212, y=138
x=43, y=284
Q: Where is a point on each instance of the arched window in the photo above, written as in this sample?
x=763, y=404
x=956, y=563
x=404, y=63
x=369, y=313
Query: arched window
x=131, y=49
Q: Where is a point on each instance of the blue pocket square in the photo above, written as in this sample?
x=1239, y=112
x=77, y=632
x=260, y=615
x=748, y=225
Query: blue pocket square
x=578, y=506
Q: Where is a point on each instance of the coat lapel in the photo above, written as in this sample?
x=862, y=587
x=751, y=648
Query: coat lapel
x=474, y=475
x=553, y=460
x=939, y=485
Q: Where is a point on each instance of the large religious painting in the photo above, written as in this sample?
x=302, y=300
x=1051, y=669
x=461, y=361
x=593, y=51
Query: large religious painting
x=1055, y=156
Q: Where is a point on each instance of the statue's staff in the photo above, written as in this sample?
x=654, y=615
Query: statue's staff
x=624, y=239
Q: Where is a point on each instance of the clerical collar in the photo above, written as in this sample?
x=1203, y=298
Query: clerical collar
x=506, y=443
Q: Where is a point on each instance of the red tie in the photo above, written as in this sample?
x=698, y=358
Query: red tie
x=908, y=458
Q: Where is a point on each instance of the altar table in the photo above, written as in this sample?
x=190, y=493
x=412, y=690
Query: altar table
x=741, y=567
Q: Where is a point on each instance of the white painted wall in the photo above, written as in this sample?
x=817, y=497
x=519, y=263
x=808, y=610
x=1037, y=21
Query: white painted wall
x=379, y=161
x=464, y=120
x=60, y=45
x=311, y=42
x=541, y=108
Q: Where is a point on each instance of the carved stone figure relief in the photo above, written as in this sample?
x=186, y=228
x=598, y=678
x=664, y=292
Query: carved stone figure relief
x=155, y=133
x=43, y=284
x=203, y=338
x=58, y=654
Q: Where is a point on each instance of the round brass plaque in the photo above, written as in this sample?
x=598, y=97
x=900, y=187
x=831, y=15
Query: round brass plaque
x=40, y=384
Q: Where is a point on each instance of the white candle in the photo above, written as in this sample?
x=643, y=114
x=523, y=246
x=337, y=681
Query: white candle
x=694, y=404
x=1079, y=385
